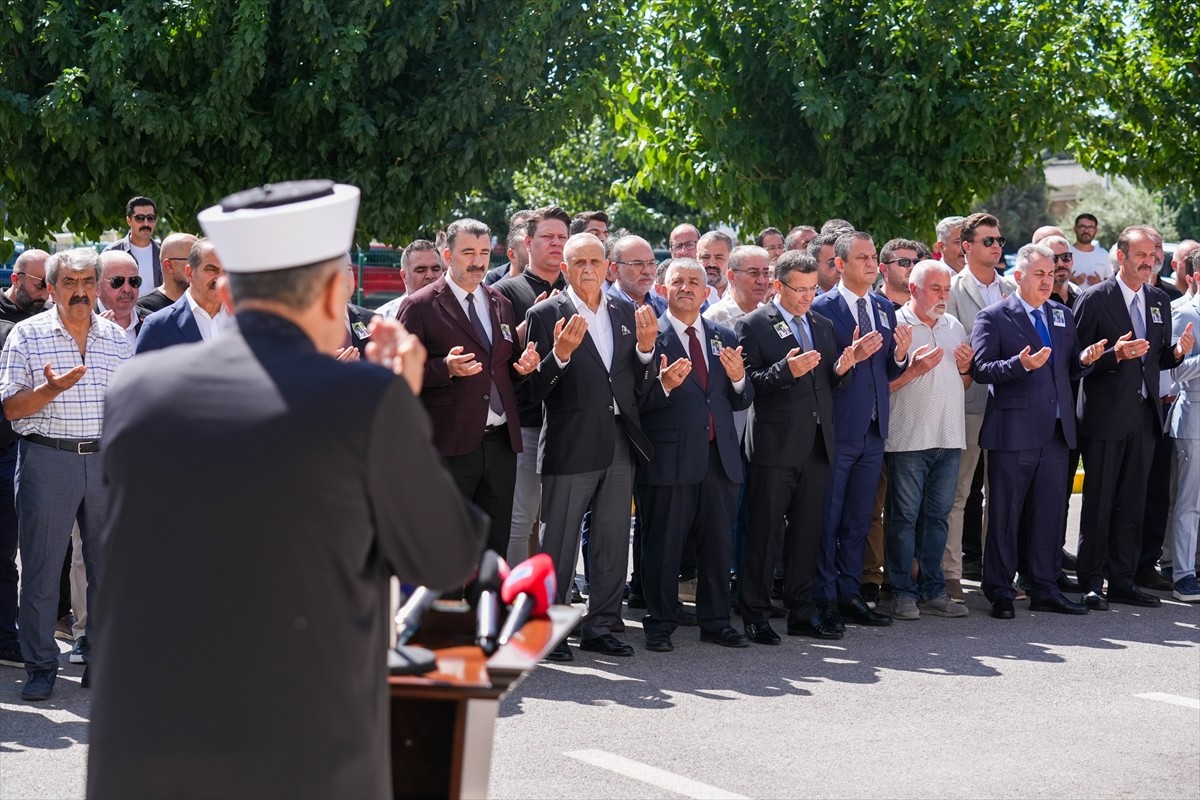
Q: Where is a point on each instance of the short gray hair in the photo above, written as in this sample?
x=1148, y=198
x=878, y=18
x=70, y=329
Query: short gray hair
x=681, y=264
x=946, y=225
x=841, y=248
x=1026, y=254
x=79, y=259
x=1052, y=240
x=923, y=268
x=295, y=288
x=745, y=251
x=794, y=261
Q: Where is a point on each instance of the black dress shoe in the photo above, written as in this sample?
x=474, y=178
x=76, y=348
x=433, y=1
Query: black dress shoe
x=870, y=593
x=1096, y=601
x=560, y=653
x=659, y=642
x=1003, y=609
x=816, y=627
x=1066, y=583
x=832, y=619
x=777, y=612
x=761, y=633
x=636, y=601
x=1057, y=605
x=1133, y=597
x=685, y=618
x=576, y=597
x=858, y=610
x=607, y=644
x=726, y=637
x=1151, y=578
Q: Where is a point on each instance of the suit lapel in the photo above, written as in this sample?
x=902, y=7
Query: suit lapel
x=449, y=303
x=1016, y=312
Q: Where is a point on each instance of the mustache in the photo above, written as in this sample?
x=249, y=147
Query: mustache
x=78, y=300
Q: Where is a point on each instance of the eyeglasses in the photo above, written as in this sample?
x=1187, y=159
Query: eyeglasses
x=1065, y=258
x=173, y=258
x=754, y=274
x=38, y=282
x=988, y=241
x=117, y=281
x=639, y=264
x=683, y=246
x=801, y=289
x=146, y=217
x=904, y=263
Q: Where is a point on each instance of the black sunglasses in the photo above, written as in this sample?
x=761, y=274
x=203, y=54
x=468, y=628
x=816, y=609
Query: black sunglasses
x=988, y=241
x=904, y=263
x=145, y=217
x=117, y=281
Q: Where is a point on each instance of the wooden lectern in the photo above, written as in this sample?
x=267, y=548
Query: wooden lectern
x=443, y=721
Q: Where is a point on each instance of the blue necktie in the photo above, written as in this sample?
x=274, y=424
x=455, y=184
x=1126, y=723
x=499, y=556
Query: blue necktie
x=1042, y=331
x=864, y=327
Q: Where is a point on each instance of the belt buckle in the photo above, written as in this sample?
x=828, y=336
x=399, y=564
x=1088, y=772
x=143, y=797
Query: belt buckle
x=86, y=448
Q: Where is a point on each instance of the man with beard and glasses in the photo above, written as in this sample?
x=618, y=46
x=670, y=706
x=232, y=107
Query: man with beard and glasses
x=54, y=371
x=1091, y=259
x=474, y=365
x=173, y=255
x=198, y=315
x=28, y=293
x=141, y=214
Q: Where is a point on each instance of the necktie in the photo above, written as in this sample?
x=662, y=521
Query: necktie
x=801, y=336
x=494, y=402
x=700, y=370
x=1043, y=333
x=864, y=327
x=1139, y=330
x=864, y=319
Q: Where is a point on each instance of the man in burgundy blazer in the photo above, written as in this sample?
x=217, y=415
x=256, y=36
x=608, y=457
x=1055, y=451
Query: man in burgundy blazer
x=471, y=371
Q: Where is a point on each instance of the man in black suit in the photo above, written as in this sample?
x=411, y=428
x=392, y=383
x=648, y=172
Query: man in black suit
x=691, y=485
x=474, y=361
x=793, y=364
x=1120, y=416
x=320, y=483
x=596, y=360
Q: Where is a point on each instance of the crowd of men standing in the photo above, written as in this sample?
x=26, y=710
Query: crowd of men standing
x=805, y=418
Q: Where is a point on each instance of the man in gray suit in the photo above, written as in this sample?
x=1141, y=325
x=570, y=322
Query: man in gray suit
x=1183, y=423
x=975, y=287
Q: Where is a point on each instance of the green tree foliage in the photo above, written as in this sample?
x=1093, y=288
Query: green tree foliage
x=1141, y=98
x=1020, y=207
x=1120, y=206
x=416, y=102
x=889, y=113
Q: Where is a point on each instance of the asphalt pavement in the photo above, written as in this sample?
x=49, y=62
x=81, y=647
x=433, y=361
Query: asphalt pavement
x=1101, y=706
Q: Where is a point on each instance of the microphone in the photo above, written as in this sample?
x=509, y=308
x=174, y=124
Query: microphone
x=484, y=594
x=530, y=589
x=408, y=618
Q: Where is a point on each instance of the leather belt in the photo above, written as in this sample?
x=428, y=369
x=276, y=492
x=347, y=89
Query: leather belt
x=83, y=447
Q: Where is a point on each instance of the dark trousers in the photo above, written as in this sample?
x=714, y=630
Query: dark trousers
x=972, y=537
x=8, y=550
x=487, y=476
x=1017, y=478
x=669, y=514
x=1114, y=503
x=849, y=504
x=776, y=494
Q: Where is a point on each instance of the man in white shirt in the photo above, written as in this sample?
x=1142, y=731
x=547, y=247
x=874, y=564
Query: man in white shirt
x=196, y=316
x=141, y=215
x=1091, y=259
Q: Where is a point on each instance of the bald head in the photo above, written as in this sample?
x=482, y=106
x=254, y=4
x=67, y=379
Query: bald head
x=174, y=254
x=1045, y=232
x=28, y=291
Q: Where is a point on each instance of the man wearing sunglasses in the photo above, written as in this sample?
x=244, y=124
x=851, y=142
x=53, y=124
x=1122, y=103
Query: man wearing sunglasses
x=117, y=293
x=141, y=214
x=28, y=293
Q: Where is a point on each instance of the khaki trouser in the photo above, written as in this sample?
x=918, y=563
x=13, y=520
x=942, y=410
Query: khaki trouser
x=952, y=561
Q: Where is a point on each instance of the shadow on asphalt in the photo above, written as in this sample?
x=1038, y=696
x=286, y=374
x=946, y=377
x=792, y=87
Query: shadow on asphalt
x=27, y=726
x=970, y=646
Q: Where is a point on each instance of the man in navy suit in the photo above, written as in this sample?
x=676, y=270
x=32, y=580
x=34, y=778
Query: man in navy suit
x=474, y=363
x=1120, y=416
x=196, y=316
x=691, y=485
x=1027, y=351
x=794, y=366
x=596, y=360
x=865, y=321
